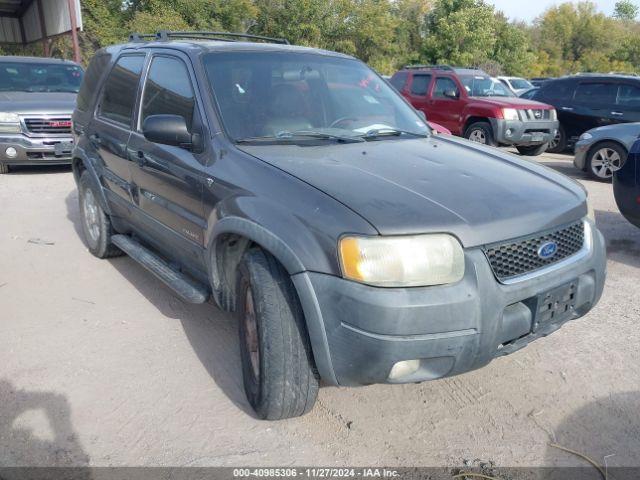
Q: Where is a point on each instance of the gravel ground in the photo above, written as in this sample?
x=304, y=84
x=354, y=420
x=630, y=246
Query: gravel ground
x=101, y=365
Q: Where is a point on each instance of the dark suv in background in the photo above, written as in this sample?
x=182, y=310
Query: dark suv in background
x=588, y=101
x=37, y=97
x=473, y=105
x=296, y=188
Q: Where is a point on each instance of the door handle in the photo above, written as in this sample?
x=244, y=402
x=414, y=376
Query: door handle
x=94, y=138
x=141, y=159
x=617, y=114
x=566, y=109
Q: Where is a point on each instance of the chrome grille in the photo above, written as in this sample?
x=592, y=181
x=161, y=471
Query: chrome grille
x=48, y=125
x=520, y=256
x=534, y=115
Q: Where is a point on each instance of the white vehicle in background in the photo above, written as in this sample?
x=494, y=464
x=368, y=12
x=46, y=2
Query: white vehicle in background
x=516, y=84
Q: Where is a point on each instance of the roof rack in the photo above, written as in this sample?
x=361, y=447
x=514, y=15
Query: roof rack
x=166, y=35
x=425, y=67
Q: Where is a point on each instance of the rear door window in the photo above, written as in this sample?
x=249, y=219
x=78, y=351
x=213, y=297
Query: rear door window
x=444, y=84
x=420, y=84
x=121, y=89
x=168, y=90
x=596, y=93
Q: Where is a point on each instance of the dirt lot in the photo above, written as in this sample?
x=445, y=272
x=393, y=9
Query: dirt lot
x=101, y=365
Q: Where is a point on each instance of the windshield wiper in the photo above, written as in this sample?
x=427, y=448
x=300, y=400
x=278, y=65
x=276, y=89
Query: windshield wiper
x=391, y=132
x=291, y=137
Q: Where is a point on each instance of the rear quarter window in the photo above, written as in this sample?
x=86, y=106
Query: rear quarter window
x=557, y=90
x=399, y=80
x=91, y=80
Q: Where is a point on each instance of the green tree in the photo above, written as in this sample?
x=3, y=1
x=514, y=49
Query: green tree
x=460, y=32
x=626, y=10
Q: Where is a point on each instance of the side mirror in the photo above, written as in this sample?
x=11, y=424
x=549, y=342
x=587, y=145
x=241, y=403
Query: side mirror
x=167, y=130
x=451, y=94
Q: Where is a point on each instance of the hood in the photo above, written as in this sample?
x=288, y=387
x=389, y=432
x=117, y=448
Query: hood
x=438, y=184
x=513, y=102
x=37, y=102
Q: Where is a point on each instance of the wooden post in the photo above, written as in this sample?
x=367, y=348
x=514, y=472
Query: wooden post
x=74, y=31
x=43, y=30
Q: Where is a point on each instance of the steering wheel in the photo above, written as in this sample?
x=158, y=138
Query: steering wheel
x=337, y=122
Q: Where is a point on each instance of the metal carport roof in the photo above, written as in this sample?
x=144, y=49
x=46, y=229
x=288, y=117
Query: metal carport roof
x=27, y=21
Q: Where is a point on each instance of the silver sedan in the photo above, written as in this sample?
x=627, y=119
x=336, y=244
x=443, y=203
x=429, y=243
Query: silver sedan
x=603, y=150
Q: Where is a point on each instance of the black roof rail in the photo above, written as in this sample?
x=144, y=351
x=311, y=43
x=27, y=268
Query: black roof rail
x=165, y=35
x=140, y=37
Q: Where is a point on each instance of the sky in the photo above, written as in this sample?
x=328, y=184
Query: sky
x=527, y=10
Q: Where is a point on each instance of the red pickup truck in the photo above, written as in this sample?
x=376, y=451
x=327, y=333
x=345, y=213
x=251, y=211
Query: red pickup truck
x=473, y=105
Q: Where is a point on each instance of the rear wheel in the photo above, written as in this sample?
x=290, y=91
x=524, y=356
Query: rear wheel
x=604, y=159
x=559, y=142
x=280, y=378
x=96, y=225
x=480, y=132
x=4, y=168
x=533, y=150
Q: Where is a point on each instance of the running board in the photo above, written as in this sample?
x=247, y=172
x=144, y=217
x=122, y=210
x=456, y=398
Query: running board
x=186, y=288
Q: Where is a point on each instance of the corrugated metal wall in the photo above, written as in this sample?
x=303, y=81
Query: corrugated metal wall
x=56, y=18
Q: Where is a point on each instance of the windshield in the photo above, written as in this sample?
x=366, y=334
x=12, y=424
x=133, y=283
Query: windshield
x=286, y=95
x=39, y=77
x=480, y=86
x=520, y=83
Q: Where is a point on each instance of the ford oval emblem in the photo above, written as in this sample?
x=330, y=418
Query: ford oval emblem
x=547, y=250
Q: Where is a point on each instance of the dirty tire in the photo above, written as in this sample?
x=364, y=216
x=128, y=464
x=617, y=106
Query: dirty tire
x=4, y=168
x=559, y=143
x=96, y=225
x=533, y=150
x=480, y=132
x=281, y=381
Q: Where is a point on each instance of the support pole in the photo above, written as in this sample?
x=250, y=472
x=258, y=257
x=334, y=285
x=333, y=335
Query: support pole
x=74, y=31
x=43, y=30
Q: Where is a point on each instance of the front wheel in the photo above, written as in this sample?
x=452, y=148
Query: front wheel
x=279, y=375
x=480, y=132
x=533, y=150
x=604, y=159
x=559, y=142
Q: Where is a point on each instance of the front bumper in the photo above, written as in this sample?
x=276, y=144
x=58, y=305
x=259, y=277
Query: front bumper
x=34, y=150
x=358, y=333
x=580, y=153
x=523, y=133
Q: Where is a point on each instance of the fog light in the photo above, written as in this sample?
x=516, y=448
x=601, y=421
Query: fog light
x=509, y=132
x=404, y=369
x=11, y=152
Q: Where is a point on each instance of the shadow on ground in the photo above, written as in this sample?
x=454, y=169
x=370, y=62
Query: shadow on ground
x=36, y=430
x=38, y=169
x=623, y=238
x=212, y=333
x=607, y=430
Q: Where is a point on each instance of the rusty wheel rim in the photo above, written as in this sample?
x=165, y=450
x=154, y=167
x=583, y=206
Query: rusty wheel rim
x=251, y=333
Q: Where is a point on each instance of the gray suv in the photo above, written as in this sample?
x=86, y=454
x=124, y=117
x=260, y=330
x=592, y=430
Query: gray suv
x=37, y=98
x=297, y=189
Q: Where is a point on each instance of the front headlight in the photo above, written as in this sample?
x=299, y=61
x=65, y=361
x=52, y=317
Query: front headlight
x=9, y=123
x=510, y=114
x=591, y=213
x=403, y=261
x=554, y=114
x=586, y=136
